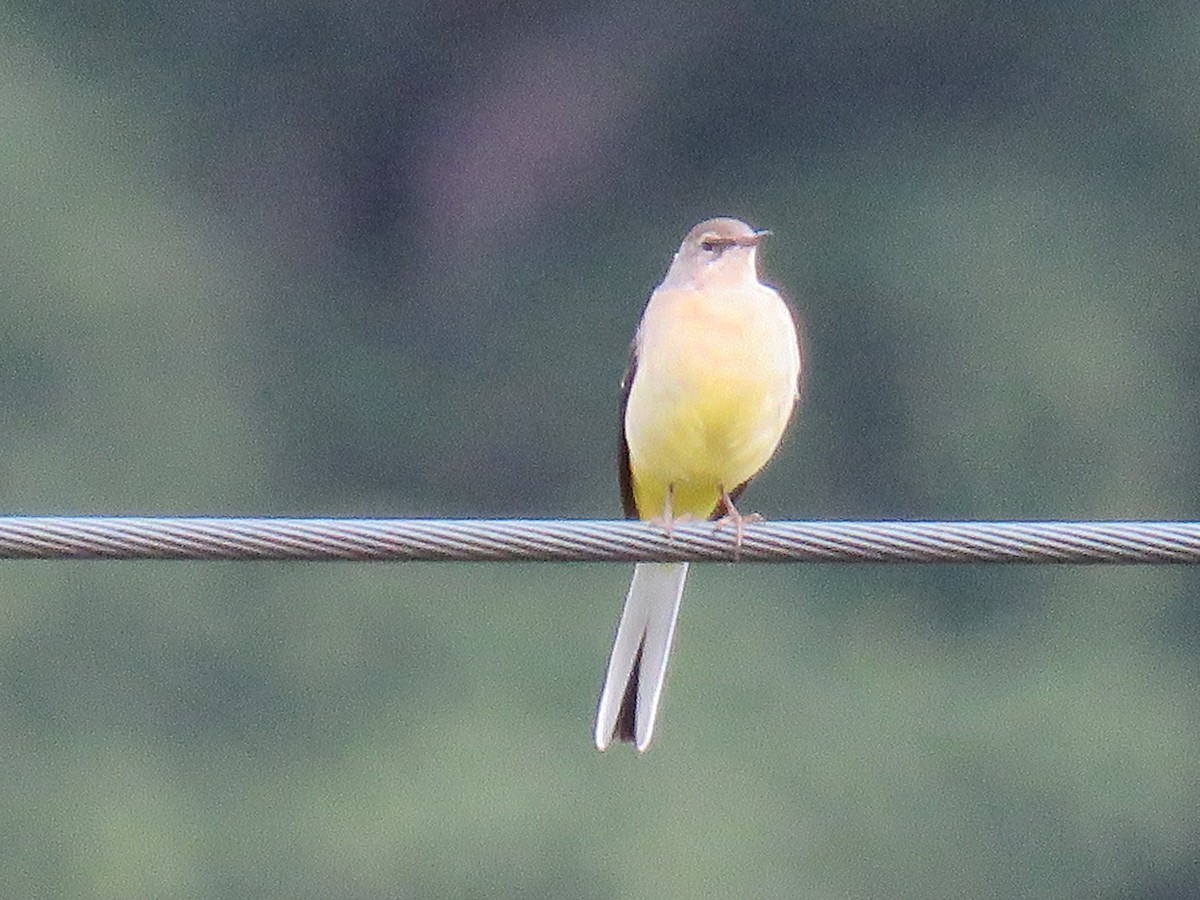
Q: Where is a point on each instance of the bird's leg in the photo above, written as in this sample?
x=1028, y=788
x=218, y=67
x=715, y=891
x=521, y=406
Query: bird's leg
x=667, y=520
x=731, y=516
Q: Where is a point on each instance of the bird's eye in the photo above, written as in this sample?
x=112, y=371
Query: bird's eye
x=712, y=245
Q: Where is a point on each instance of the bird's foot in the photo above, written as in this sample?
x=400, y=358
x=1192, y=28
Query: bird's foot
x=738, y=520
x=668, y=522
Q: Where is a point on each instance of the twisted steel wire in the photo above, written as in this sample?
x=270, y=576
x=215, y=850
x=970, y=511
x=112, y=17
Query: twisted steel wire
x=576, y=540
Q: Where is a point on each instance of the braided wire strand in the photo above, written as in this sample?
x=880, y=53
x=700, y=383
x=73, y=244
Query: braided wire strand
x=580, y=540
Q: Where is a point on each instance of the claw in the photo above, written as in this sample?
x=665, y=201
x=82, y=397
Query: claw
x=736, y=519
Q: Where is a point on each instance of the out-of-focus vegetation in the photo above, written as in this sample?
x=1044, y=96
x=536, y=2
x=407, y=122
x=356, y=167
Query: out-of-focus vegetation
x=378, y=258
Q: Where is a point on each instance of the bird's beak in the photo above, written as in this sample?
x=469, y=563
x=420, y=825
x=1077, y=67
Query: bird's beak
x=753, y=240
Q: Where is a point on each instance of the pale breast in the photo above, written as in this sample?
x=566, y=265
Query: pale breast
x=716, y=381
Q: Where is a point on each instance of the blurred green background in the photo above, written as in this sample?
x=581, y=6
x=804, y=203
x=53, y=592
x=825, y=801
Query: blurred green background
x=386, y=258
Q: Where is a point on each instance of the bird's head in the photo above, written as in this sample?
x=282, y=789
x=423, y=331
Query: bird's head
x=717, y=251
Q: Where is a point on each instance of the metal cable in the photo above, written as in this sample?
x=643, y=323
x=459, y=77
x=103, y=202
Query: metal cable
x=575, y=540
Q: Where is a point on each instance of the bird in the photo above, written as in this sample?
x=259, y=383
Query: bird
x=713, y=382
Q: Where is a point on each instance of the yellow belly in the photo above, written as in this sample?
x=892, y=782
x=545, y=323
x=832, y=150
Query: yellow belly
x=710, y=400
